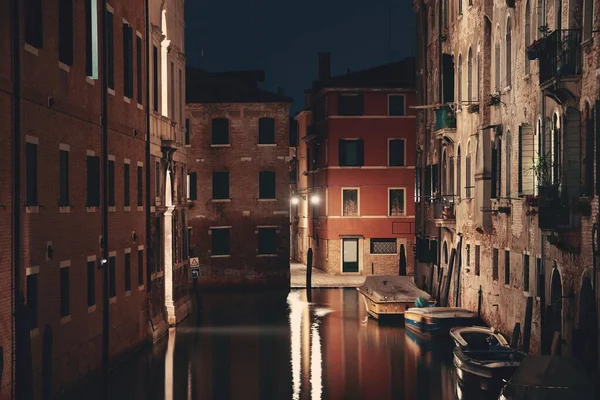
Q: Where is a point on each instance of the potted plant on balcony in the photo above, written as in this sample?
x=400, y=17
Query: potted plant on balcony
x=493, y=99
x=547, y=184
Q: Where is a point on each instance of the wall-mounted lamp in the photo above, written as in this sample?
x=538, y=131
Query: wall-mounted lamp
x=315, y=199
x=134, y=236
x=295, y=200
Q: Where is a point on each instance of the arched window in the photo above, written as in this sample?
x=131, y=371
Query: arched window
x=459, y=78
x=460, y=7
x=468, y=172
x=527, y=35
x=558, y=14
x=588, y=18
x=588, y=172
x=555, y=149
x=497, y=167
x=540, y=17
x=444, y=174
x=508, y=60
x=478, y=81
x=508, y=185
x=458, y=177
x=497, y=62
x=470, y=75
x=446, y=11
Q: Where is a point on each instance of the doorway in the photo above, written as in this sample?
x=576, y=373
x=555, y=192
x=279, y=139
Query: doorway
x=586, y=344
x=402, y=261
x=350, y=255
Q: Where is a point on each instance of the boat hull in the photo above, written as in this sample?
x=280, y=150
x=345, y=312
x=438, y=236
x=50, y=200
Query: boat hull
x=434, y=326
x=489, y=375
x=377, y=309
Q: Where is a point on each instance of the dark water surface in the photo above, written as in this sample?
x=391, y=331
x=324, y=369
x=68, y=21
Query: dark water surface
x=274, y=345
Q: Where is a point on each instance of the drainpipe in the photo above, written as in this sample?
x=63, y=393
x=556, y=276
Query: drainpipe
x=147, y=152
x=105, y=242
x=16, y=191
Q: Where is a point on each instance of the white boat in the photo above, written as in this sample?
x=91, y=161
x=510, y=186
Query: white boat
x=390, y=294
x=432, y=321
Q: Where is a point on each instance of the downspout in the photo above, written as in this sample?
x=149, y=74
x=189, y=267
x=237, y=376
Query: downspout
x=16, y=191
x=147, y=151
x=105, y=242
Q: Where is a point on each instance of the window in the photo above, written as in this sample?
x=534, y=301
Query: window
x=350, y=104
x=192, y=192
x=91, y=283
x=220, y=131
x=526, y=157
x=126, y=199
x=157, y=179
x=459, y=79
x=589, y=152
x=460, y=7
x=266, y=185
x=140, y=186
x=350, y=206
x=172, y=87
x=396, y=202
x=91, y=39
x=446, y=12
x=495, y=264
x=468, y=176
x=65, y=32
x=470, y=75
x=588, y=18
x=478, y=72
x=140, y=267
x=396, y=153
x=138, y=56
x=458, y=174
x=63, y=200
x=468, y=250
x=527, y=36
x=31, y=171
x=383, y=246
x=267, y=241
x=396, y=105
x=477, y=260
x=32, y=299
x=127, y=60
x=351, y=152
x=496, y=177
x=220, y=241
x=155, y=77
x=64, y=292
x=187, y=131
x=266, y=131
x=111, y=183
x=93, y=181
x=508, y=164
x=508, y=52
x=181, y=110
x=526, y=272
x=34, y=23
x=127, y=272
x=111, y=50
x=497, y=65
x=112, y=270
x=506, y=267
x=221, y=185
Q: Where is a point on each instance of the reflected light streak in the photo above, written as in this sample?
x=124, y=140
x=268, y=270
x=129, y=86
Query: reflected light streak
x=296, y=306
x=316, y=371
x=169, y=363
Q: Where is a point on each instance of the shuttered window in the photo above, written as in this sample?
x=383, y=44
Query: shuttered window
x=526, y=157
x=140, y=85
x=266, y=131
x=91, y=39
x=127, y=272
x=351, y=153
x=112, y=270
x=32, y=300
x=350, y=104
x=64, y=292
x=155, y=77
x=111, y=183
x=31, y=170
x=140, y=267
x=267, y=241
x=126, y=189
x=140, y=186
x=220, y=131
x=63, y=200
x=266, y=185
x=93, y=181
x=187, y=131
x=65, y=32
x=91, y=283
x=221, y=245
x=34, y=23
x=220, y=185
x=192, y=188
x=127, y=61
x=396, y=105
x=495, y=264
x=396, y=153
x=110, y=50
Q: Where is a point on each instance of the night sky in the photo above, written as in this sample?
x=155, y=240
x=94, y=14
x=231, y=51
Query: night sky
x=283, y=37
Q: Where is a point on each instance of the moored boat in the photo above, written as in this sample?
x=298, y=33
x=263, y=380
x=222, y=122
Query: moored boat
x=390, y=294
x=434, y=321
x=483, y=358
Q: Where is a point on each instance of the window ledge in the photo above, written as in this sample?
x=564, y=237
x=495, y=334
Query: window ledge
x=221, y=256
x=128, y=293
x=112, y=208
x=90, y=209
x=32, y=209
x=65, y=320
x=34, y=332
x=141, y=288
x=30, y=49
x=188, y=145
x=64, y=209
x=383, y=254
x=267, y=144
x=64, y=67
x=113, y=300
x=220, y=200
x=267, y=200
x=91, y=309
x=351, y=216
x=111, y=91
x=220, y=145
x=398, y=166
x=266, y=255
x=126, y=99
x=90, y=81
x=140, y=208
x=127, y=208
x=141, y=107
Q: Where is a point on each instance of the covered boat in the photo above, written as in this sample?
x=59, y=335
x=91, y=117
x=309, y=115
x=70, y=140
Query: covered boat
x=483, y=357
x=433, y=321
x=549, y=378
x=390, y=294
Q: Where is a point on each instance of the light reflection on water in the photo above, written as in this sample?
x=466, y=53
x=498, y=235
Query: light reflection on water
x=278, y=346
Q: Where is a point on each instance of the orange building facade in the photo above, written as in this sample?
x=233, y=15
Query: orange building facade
x=355, y=192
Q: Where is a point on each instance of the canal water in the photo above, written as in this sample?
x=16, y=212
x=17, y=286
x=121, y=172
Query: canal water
x=274, y=345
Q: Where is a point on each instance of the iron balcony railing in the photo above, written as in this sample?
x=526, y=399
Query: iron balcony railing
x=560, y=55
x=445, y=118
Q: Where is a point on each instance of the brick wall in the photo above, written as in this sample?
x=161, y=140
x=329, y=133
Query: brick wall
x=245, y=212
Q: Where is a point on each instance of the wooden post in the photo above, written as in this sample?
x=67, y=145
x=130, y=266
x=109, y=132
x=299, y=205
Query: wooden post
x=514, y=340
x=527, y=327
x=556, y=342
x=309, y=262
x=449, y=280
x=479, y=298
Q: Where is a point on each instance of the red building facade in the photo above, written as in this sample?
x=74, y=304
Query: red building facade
x=360, y=170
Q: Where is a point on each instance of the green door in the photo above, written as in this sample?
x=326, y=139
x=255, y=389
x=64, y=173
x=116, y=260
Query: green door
x=350, y=255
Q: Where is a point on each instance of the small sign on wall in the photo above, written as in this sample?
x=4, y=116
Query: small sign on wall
x=195, y=267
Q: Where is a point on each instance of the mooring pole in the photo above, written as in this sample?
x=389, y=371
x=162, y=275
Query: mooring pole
x=479, y=296
x=309, y=262
x=527, y=327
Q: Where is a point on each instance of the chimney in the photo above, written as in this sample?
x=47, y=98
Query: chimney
x=324, y=66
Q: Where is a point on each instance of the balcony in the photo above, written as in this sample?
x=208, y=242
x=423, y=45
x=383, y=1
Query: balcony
x=445, y=123
x=560, y=56
x=444, y=215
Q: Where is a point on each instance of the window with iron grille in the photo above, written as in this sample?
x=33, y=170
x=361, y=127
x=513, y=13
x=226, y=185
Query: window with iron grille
x=495, y=264
x=383, y=246
x=350, y=202
x=477, y=260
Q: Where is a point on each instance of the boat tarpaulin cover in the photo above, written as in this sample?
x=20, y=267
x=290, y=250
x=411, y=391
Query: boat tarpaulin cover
x=549, y=377
x=392, y=288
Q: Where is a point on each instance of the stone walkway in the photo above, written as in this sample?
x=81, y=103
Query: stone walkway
x=321, y=278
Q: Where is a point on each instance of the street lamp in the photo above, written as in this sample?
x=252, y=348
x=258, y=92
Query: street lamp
x=295, y=200
x=315, y=199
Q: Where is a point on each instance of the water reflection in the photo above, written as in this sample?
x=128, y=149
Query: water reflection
x=279, y=346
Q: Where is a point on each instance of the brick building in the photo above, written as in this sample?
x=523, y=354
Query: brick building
x=507, y=166
x=56, y=218
x=239, y=179
x=355, y=171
